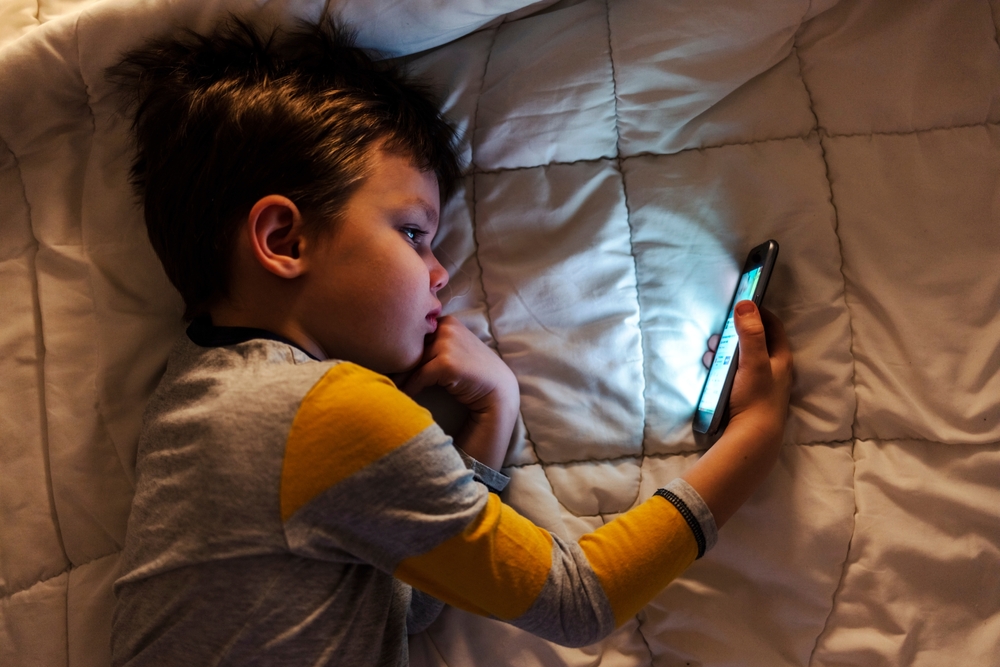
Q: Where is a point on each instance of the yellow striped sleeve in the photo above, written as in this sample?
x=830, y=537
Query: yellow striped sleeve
x=349, y=419
x=496, y=566
x=638, y=554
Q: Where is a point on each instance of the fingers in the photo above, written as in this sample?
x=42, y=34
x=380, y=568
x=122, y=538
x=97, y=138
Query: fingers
x=453, y=359
x=423, y=377
x=713, y=345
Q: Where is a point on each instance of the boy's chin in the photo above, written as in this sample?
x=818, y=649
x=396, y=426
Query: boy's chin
x=400, y=378
x=401, y=370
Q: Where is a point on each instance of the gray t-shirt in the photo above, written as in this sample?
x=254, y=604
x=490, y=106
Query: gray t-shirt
x=282, y=502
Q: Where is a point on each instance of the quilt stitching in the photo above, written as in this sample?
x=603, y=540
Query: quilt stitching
x=44, y=422
x=913, y=132
x=639, y=617
x=475, y=239
x=688, y=452
x=631, y=237
x=813, y=443
x=40, y=366
x=754, y=142
x=93, y=131
x=836, y=231
x=843, y=571
x=622, y=158
x=39, y=582
x=437, y=649
x=996, y=27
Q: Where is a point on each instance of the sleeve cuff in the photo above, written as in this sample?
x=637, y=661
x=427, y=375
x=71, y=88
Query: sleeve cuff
x=694, y=510
x=494, y=480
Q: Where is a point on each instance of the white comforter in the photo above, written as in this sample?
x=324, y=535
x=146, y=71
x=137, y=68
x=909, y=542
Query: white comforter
x=624, y=155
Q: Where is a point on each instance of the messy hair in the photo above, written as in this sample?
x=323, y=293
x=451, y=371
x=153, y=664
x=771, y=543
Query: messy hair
x=224, y=119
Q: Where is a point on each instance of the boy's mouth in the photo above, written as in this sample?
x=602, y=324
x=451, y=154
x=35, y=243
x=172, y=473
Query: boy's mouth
x=432, y=319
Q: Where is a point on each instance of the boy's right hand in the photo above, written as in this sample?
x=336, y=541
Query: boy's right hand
x=469, y=370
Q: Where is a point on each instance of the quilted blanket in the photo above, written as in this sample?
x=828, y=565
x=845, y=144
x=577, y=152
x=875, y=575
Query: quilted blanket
x=623, y=155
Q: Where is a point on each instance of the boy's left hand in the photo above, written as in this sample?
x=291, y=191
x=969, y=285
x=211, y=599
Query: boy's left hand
x=469, y=370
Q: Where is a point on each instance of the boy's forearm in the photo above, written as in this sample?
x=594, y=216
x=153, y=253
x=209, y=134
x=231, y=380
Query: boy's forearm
x=729, y=472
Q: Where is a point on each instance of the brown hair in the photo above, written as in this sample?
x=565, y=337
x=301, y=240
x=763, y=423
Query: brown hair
x=224, y=119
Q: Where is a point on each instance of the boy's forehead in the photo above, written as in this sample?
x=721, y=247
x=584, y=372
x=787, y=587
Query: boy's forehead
x=397, y=182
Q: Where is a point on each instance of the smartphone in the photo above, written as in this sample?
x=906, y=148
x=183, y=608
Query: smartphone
x=714, y=398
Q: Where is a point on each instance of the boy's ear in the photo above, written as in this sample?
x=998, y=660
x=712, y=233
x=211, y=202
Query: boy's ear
x=274, y=227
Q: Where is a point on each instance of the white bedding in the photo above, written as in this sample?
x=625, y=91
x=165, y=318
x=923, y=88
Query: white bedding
x=624, y=155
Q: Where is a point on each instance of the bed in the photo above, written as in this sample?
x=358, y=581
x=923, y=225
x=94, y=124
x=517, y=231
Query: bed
x=623, y=155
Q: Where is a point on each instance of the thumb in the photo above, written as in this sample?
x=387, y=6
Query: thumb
x=750, y=329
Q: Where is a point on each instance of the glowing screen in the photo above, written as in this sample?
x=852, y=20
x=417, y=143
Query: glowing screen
x=727, y=348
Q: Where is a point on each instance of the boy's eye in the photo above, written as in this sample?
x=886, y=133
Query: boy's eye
x=414, y=234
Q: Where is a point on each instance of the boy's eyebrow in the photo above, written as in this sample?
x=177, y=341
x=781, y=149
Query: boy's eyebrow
x=428, y=210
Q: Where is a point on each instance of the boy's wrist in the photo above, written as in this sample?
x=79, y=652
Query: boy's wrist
x=729, y=472
x=487, y=433
x=762, y=430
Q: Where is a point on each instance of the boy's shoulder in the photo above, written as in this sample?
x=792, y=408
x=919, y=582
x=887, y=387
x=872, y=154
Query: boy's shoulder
x=236, y=395
x=254, y=378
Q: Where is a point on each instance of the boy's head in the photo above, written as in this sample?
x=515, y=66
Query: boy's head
x=225, y=120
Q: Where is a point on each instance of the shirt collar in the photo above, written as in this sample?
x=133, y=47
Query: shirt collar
x=203, y=333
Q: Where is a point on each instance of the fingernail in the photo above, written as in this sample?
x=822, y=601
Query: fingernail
x=744, y=308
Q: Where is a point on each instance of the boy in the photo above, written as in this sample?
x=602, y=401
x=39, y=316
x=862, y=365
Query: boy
x=288, y=495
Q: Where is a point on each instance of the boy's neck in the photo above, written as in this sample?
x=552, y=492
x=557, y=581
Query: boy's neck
x=224, y=315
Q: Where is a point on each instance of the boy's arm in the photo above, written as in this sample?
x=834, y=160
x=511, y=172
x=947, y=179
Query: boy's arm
x=394, y=493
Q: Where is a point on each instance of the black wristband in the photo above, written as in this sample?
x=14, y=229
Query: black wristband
x=692, y=520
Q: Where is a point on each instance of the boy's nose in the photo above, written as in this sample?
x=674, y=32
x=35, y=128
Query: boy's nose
x=439, y=276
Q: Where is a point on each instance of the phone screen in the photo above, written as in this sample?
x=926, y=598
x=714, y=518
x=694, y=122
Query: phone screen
x=724, y=354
